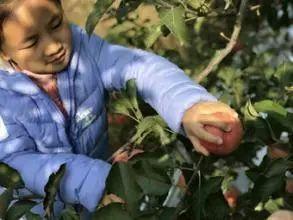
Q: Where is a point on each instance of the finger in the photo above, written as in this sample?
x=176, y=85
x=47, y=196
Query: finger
x=228, y=110
x=122, y=157
x=209, y=108
x=118, y=152
x=215, y=121
x=201, y=133
x=197, y=146
x=116, y=199
x=106, y=200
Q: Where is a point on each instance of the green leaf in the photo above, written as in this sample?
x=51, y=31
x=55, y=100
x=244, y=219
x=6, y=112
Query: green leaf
x=128, y=101
x=98, y=11
x=32, y=216
x=121, y=106
x=167, y=213
x=277, y=115
x=5, y=198
x=252, y=175
x=121, y=182
x=196, y=4
x=159, y=131
x=51, y=189
x=284, y=73
x=270, y=106
x=256, y=127
x=277, y=167
x=69, y=214
x=152, y=186
x=266, y=187
x=156, y=171
x=246, y=152
x=212, y=185
x=9, y=177
x=132, y=92
x=273, y=205
x=157, y=159
x=19, y=208
x=154, y=125
x=174, y=19
x=153, y=33
x=238, y=90
x=112, y=212
x=250, y=111
x=228, y=75
x=207, y=188
x=216, y=207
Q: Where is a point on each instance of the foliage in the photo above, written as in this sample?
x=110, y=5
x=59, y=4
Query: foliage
x=255, y=79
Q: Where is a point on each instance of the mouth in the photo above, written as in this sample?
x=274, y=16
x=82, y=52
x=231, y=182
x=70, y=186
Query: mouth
x=59, y=58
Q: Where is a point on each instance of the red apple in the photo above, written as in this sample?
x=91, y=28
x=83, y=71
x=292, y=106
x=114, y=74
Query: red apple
x=231, y=195
x=289, y=185
x=117, y=119
x=276, y=151
x=231, y=140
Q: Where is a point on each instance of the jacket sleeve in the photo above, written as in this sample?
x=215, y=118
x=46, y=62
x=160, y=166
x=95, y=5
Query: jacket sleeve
x=84, y=178
x=160, y=82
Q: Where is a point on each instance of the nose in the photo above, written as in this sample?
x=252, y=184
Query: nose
x=53, y=48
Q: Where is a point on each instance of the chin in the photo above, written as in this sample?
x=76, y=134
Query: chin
x=54, y=68
x=59, y=67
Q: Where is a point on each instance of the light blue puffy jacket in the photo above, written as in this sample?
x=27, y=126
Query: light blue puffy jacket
x=35, y=139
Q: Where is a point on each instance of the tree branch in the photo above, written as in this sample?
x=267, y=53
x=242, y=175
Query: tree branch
x=219, y=56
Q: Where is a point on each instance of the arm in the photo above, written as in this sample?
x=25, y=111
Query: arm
x=160, y=83
x=84, y=179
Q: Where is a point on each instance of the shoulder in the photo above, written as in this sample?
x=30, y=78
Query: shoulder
x=5, y=91
x=89, y=41
x=9, y=100
x=9, y=97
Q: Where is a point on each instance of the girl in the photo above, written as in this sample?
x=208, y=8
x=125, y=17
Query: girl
x=52, y=99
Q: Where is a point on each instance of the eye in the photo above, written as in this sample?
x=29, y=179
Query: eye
x=33, y=44
x=58, y=24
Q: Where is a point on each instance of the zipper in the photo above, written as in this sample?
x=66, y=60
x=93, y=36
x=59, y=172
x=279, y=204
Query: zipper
x=51, y=103
x=53, y=106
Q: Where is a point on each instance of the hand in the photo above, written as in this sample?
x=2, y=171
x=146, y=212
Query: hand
x=111, y=198
x=199, y=115
x=124, y=156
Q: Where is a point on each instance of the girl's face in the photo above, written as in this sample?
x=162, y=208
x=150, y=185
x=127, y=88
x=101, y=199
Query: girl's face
x=37, y=37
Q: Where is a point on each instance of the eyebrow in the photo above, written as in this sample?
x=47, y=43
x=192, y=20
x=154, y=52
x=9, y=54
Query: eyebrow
x=30, y=37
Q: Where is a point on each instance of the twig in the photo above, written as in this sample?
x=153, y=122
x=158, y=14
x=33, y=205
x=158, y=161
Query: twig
x=218, y=57
x=28, y=197
x=196, y=170
x=164, y=3
x=123, y=148
x=254, y=7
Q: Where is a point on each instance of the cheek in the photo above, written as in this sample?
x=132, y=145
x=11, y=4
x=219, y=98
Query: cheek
x=64, y=36
x=30, y=60
x=27, y=58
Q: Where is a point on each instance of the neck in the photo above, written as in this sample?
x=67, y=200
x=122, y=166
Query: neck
x=40, y=77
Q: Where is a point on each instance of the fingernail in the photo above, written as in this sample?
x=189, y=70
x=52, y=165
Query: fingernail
x=219, y=141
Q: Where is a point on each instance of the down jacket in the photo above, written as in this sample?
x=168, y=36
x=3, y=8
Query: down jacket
x=35, y=138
